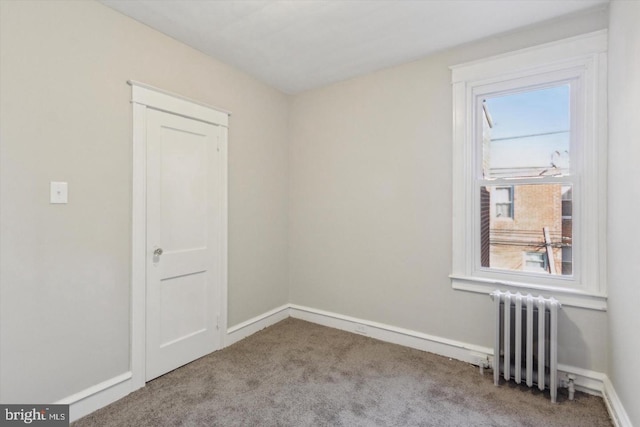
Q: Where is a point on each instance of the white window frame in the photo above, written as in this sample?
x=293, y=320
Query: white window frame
x=580, y=60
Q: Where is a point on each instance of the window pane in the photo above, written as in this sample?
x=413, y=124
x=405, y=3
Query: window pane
x=535, y=261
x=526, y=134
x=503, y=210
x=502, y=194
x=527, y=231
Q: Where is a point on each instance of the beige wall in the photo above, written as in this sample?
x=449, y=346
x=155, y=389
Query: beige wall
x=66, y=116
x=624, y=203
x=370, y=216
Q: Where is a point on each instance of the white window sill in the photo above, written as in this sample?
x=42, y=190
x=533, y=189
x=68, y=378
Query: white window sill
x=567, y=297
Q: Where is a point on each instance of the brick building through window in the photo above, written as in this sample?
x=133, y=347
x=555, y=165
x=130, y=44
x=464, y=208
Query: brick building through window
x=535, y=236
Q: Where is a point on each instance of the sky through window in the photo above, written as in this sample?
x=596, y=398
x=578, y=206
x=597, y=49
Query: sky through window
x=530, y=130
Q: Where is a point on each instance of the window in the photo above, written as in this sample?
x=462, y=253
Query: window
x=503, y=199
x=529, y=157
x=535, y=261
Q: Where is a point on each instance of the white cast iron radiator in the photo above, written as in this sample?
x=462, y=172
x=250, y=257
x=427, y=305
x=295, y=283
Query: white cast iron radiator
x=526, y=340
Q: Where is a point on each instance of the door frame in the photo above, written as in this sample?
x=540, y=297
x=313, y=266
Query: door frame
x=143, y=97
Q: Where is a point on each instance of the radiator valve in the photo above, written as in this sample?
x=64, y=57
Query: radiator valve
x=482, y=362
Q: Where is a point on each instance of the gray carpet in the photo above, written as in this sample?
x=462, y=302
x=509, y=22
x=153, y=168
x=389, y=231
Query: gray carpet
x=297, y=373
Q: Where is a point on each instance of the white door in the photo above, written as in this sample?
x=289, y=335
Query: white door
x=184, y=248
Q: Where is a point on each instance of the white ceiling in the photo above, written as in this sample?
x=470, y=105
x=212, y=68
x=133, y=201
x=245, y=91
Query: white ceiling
x=296, y=45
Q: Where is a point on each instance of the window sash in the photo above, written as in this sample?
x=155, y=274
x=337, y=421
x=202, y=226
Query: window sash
x=527, y=84
x=505, y=88
x=486, y=146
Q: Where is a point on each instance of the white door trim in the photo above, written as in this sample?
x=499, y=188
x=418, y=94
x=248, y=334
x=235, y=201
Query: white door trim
x=143, y=97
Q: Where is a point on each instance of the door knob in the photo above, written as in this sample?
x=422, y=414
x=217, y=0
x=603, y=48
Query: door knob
x=157, y=252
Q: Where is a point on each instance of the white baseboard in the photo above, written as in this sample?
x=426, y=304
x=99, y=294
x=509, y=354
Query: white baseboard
x=251, y=326
x=614, y=405
x=97, y=396
x=443, y=346
x=585, y=380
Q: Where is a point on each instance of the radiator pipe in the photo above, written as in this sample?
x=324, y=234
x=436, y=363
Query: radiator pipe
x=571, y=387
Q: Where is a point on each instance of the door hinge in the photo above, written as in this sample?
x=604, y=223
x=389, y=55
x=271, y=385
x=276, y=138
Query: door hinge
x=218, y=322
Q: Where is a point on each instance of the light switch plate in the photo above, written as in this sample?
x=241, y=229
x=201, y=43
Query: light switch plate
x=59, y=192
